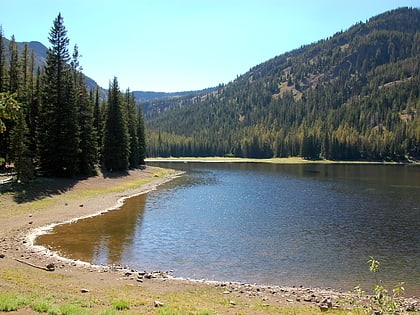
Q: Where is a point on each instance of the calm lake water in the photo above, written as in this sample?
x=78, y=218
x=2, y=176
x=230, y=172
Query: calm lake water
x=312, y=225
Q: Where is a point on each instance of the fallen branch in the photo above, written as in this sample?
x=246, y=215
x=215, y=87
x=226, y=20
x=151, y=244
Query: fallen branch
x=6, y=180
x=49, y=267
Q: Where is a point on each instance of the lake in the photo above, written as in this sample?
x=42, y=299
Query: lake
x=310, y=224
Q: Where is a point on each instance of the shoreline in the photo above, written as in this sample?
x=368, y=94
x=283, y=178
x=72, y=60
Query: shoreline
x=35, y=233
x=31, y=235
x=17, y=244
x=289, y=160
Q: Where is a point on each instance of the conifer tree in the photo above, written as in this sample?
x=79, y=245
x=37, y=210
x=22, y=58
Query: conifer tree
x=21, y=143
x=14, y=66
x=20, y=149
x=141, y=135
x=116, y=146
x=134, y=159
x=88, y=156
x=33, y=106
x=27, y=71
x=88, y=142
x=58, y=130
x=97, y=121
x=3, y=63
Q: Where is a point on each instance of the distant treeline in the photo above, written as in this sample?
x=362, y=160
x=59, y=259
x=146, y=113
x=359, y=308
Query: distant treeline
x=50, y=122
x=354, y=96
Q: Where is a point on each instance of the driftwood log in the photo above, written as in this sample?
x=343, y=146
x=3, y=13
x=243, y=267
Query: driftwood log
x=49, y=267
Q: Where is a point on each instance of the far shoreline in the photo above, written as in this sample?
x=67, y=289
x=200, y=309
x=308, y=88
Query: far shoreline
x=288, y=160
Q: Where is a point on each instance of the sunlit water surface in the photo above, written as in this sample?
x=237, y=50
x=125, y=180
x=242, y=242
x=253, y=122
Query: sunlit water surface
x=311, y=225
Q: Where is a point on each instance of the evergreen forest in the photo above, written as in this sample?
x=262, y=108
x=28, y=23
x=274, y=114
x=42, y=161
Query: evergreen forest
x=353, y=96
x=51, y=123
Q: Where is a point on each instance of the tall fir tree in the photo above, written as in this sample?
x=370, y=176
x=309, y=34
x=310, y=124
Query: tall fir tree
x=33, y=107
x=97, y=120
x=134, y=159
x=58, y=130
x=20, y=148
x=3, y=146
x=116, y=145
x=3, y=63
x=14, y=67
x=88, y=135
x=141, y=135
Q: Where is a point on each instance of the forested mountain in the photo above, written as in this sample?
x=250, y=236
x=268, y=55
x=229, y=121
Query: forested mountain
x=353, y=96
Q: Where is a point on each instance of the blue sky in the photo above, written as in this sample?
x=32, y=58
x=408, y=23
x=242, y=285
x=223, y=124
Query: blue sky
x=179, y=45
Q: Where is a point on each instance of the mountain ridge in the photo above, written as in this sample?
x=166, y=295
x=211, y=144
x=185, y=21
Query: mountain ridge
x=354, y=95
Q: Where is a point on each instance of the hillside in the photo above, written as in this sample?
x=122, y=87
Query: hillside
x=353, y=96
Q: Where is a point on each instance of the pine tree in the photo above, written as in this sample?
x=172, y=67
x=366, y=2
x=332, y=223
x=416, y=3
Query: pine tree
x=33, y=106
x=88, y=141
x=88, y=136
x=14, y=68
x=20, y=151
x=21, y=143
x=58, y=130
x=3, y=63
x=97, y=121
x=134, y=159
x=116, y=146
x=141, y=135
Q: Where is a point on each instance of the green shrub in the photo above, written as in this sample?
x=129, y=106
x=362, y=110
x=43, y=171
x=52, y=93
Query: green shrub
x=121, y=305
x=11, y=302
x=73, y=309
x=382, y=302
x=40, y=306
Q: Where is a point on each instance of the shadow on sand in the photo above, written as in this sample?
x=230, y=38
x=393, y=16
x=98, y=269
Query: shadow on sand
x=42, y=186
x=38, y=188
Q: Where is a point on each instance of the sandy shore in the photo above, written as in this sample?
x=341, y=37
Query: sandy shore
x=23, y=266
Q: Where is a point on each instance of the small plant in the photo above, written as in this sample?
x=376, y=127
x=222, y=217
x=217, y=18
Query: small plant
x=11, y=302
x=121, y=305
x=381, y=301
x=387, y=303
x=40, y=306
x=73, y=309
